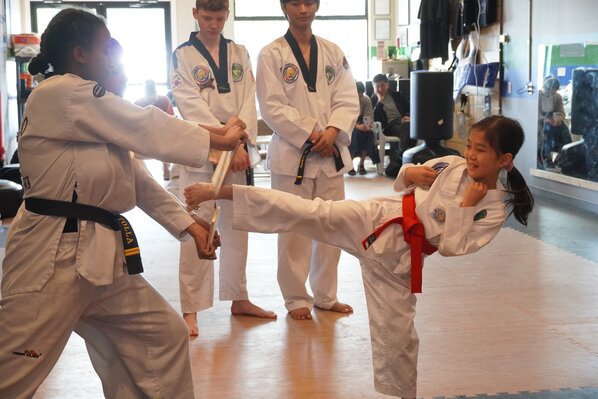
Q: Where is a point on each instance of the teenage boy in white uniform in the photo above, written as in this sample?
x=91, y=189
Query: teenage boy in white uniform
x=307, y=95
x=212, y=82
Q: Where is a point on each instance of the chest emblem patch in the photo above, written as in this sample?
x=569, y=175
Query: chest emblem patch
x=439, y=167
x=439, y=215
x=290, y=73
x=330, y=75
x=237, y=72
x=202, y=77
x=480, y=215
x=98, y=91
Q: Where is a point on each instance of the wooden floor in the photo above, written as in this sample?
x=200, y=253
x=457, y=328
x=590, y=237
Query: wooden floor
x=521, y=315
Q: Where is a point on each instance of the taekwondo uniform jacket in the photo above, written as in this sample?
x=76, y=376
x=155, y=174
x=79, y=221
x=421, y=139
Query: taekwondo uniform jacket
x=198, y=99
x=293, y=112
x=76, y=137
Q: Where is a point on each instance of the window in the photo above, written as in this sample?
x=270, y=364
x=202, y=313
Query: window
x=147, y=46
x=259, y=22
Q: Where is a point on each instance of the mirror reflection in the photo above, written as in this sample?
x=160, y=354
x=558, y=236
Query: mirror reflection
x=568, y=110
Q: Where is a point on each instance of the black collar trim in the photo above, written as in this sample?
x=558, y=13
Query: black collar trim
x=310, y=75
x=220, y=73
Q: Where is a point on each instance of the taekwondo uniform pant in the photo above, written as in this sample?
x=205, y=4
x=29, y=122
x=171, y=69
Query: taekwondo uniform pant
x=391, y=306
x=299, y=256
x=196, y=276
x=146, y=337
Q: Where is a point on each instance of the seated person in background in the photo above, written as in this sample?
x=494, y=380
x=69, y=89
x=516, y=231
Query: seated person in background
x=151, y=97
x=362, y=138
x=553, y=132
x=392, y=110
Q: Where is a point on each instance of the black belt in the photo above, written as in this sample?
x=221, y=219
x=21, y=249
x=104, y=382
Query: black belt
x=249, y=176
x=338, y=161
x=114, y=221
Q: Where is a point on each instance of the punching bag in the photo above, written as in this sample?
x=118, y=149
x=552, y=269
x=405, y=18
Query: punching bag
x=431, y=105
x=431, y=115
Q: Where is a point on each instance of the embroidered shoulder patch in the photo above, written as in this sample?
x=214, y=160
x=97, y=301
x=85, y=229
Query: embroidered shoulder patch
x=439, y=215
x=330, y=75
x=439, y=167
x=176, y=81
x=98, y=91
x=237, y=72
x=480, y=215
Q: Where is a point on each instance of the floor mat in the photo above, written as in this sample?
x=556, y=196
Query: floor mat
x=578, y=393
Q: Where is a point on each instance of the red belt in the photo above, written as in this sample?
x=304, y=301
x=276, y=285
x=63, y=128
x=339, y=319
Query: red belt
x=414, y=234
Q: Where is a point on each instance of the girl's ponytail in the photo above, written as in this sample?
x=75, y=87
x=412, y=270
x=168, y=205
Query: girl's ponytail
x=506, y=136
x=520, y=199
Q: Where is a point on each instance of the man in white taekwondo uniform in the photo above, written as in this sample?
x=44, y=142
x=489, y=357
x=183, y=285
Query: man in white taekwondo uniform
x=307, y=96
x=75, y=148
x=212, y=81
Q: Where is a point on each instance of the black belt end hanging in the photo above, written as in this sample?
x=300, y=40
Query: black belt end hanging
x=338, y=162
x=301, y=169
x=131, y=246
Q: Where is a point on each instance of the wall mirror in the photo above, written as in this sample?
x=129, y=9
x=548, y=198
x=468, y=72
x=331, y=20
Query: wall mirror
x=568, y=110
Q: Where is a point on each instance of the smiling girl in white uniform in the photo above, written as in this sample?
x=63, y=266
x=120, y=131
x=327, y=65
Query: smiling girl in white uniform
x=450, y=204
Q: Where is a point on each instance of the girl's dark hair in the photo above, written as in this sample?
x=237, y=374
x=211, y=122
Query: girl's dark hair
x=71, y=27
x=505, y=135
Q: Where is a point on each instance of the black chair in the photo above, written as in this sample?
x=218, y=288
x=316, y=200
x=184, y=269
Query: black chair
x=369, y=88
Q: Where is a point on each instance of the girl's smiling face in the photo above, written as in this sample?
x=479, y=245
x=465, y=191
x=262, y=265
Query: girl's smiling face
x=483, y=162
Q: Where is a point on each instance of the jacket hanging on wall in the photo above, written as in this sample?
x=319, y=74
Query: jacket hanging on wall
x=435, y=17
x=468, y=15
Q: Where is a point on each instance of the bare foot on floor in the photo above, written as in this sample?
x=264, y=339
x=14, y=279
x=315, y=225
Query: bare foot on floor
x=246, y=308
x=191, y=320
x=339, y=308
x=300, y=314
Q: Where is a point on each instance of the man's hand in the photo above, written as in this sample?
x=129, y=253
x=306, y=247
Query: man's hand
x=197, y=193
x=240, y=161
x=362, y=127
x=314, y=136
x=234, y=136
x=205, y=250
x=235, y=121
x=324, y=143
x=420, y=176
x=474, y=194
x=405, y=119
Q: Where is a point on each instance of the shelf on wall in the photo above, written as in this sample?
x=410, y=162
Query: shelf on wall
x=573, y=181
